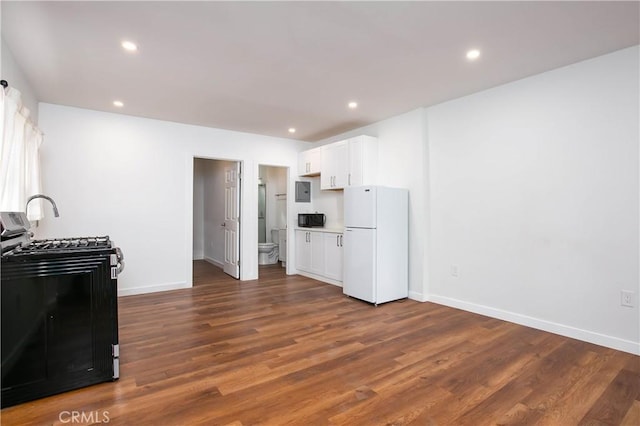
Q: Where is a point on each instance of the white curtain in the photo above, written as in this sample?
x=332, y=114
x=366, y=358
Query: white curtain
x=19, y=156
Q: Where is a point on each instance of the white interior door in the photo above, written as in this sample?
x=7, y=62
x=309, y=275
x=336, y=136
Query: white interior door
x=231, y=220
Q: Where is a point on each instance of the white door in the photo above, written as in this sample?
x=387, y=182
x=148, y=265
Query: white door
x=231, y=220
x=359, y=279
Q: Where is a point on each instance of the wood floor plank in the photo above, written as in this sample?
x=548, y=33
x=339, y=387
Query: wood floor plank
x=288, y=350
x=616, y=401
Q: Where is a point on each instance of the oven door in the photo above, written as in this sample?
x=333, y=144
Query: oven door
x=59, y=326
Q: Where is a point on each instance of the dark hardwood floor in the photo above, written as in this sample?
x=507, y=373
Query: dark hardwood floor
x=290, y=350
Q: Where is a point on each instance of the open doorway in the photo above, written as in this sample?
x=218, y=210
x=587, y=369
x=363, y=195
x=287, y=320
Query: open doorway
x=272, y=219
x=216, y=227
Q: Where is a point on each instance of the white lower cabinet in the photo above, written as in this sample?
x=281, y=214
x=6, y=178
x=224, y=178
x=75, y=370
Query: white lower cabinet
x=303, y=251
x=309, y=251
x=333, y=256
x=319, y=253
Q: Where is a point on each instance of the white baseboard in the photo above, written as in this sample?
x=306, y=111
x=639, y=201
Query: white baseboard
x=151, y=289
x=552, y=327
x=214, y=262
x=320, y=278
x=419, y=297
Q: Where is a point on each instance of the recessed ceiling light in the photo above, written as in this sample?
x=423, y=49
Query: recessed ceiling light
x=130, y=46
x=292, y=130
x=473, y=54
x=119, y=104
x=352, y=105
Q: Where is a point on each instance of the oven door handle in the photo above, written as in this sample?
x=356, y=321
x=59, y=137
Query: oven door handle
x=120, y=257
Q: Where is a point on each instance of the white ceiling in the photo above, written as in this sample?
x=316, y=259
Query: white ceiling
x=263, y=67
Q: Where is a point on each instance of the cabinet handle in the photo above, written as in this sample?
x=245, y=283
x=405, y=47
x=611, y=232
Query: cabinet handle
x=349, y=179
x=341, y=241
x=337, y=240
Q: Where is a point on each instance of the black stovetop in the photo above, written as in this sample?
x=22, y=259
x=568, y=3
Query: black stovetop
x=58, y=246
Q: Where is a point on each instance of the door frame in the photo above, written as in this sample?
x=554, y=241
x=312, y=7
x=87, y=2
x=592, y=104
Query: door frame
x=191, y=158
x=290, y=235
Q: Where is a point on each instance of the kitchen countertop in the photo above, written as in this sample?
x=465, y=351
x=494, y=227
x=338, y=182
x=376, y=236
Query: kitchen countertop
x=318, y=229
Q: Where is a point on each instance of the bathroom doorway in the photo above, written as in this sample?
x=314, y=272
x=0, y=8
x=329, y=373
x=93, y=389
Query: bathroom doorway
x=215, y=217
x=272, y=217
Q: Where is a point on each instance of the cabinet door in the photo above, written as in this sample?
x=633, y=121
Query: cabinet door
x=317, y=252
x=363, y=156
x=303, y=251
x=309, y=162
x=335, y=164
x=333, y=256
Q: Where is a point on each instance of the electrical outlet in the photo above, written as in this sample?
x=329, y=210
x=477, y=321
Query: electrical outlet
x=454, y=270
x=627, y=298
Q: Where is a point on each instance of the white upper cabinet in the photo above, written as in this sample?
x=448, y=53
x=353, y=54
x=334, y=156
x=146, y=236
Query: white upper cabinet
x=352, y=162
x=335, y=164
x=309, y=162
x=363, y=161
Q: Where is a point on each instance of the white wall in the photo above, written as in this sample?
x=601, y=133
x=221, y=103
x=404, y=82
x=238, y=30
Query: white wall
x=534, y=197
x=132, y=178
x=16, y=78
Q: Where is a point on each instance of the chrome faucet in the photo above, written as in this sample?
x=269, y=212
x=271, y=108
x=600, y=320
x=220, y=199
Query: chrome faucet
x=53, y=203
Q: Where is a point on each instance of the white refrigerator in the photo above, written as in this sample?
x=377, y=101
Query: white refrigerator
x=376, y=243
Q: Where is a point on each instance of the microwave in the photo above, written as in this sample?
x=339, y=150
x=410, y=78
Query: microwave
x=311, y=220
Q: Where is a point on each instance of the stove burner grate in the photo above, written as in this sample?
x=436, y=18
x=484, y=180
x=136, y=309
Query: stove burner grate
x=58, y=245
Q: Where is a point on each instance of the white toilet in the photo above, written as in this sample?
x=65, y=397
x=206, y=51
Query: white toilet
x=268, y=252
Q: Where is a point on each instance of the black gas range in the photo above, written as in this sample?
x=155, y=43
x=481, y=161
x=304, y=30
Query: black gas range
x=59, y=311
